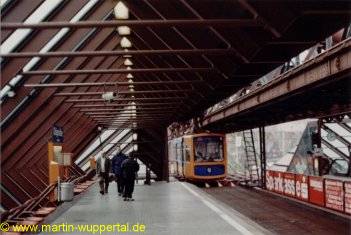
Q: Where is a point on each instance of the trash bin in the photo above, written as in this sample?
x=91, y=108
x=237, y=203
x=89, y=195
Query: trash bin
x=67, y=192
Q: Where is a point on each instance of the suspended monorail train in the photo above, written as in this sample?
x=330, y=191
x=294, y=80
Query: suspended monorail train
x=198, y=157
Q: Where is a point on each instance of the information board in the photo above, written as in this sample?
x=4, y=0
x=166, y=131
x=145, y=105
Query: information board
x=57, y=134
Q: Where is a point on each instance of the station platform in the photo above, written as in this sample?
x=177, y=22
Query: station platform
x=282, y=215
x=164, y=208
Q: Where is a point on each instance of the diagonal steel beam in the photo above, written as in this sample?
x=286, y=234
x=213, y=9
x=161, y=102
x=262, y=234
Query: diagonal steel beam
x=244, y=4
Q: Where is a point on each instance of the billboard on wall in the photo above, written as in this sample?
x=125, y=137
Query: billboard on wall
x=316, y=190
x=270, y=180
x=301, y=187
x=278, y=182
x=328, y=191
x=289, y=184
x=334, y=194
x=347, y=186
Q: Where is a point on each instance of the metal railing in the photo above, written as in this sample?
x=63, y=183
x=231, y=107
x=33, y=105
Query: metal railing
x=28, y=208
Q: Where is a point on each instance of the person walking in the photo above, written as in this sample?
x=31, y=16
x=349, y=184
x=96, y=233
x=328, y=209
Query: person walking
x=129, y=169
x=103, y=167
x=116, y=169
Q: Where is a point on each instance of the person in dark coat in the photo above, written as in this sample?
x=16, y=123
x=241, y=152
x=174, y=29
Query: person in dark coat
x=129, y=169
x=116, y=168
x=103, y=167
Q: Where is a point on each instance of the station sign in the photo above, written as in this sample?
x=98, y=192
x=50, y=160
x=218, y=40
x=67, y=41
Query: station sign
x=57, y=134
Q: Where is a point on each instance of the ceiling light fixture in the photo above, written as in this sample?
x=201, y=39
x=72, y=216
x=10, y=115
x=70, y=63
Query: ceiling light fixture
x=123, y=30
x=121, y=11
x=135, y=147
x=125, y=43
x=128, y=62
x=11, y=93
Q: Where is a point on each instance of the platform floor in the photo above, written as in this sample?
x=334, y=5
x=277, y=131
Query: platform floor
x=281, y=215
x=164, y=208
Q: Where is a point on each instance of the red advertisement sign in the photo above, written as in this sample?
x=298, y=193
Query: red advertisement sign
x=270, y=180
x=301, y=187
x=278, y=182
x=316, y=190
x=334, y=194
x=289, y=184
x=347, y=197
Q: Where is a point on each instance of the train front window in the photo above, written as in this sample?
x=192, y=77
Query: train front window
x=208, y=148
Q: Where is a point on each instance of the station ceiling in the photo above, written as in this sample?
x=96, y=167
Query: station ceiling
x=187, y=55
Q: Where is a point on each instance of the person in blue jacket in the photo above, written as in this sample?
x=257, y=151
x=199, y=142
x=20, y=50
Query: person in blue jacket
x=129, y=169
x=116, y=168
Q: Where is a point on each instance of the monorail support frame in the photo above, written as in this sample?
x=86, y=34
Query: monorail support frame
x=263, y=161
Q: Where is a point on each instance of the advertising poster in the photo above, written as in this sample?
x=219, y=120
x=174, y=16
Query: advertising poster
x=348, y=197
x=334, y=194
x=302, y=187
x=316, y=190
x=278, y=182
x=289, y=184
x=270, y=180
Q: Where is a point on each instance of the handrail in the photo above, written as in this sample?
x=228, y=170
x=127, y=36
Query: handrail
x=29, y=205
x=14, y=214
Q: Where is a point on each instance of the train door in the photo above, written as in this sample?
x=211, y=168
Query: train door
x=177, y=161
x=189, y=166
x=172, y=159
x=179, y=154
x=183, y=156
x=175, y=156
